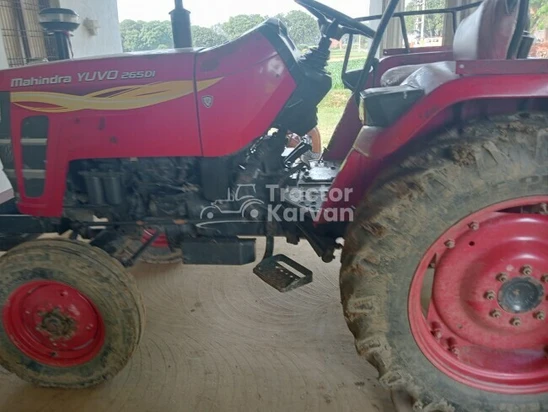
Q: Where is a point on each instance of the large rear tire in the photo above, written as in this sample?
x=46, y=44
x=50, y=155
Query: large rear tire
x=71, y=315
x=466, y=210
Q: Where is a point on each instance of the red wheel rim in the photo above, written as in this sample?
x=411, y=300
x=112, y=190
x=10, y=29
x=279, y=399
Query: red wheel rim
x=53, y=324
x=161, y=241
x=482, y=321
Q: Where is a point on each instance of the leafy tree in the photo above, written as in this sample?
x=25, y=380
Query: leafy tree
x=433, y=23
x=302, y=27
x=206, y=37
x=539, y=15
x=238, y=25
x=156, y=35
x=131, y=32
x=140, y=35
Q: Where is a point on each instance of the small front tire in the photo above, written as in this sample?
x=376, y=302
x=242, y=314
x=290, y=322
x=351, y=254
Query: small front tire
x=72, y=316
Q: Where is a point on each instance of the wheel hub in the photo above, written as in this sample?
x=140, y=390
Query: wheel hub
x=521, y=295
x=58, y=325
x=479, y=298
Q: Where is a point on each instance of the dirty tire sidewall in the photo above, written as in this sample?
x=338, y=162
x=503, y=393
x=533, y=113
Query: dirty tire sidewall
x=435, y=184
x=102, y=280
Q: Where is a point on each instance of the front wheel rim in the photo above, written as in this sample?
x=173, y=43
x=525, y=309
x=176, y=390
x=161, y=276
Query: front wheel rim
x=483, y=323
x=53, y=323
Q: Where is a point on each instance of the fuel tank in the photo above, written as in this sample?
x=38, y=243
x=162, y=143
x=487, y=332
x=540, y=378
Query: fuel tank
x=186, y=102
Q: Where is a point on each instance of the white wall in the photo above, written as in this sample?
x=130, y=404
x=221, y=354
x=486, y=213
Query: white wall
x=108, y=39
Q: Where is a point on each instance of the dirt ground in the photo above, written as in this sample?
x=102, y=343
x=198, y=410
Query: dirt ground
x=219, y=339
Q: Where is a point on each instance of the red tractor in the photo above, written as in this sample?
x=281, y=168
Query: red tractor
x=434, y=186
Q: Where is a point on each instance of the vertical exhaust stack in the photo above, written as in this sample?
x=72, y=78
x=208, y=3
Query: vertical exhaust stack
x=180, y=23
x=60, y=23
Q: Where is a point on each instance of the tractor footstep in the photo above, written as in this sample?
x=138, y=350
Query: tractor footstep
x=283, y=273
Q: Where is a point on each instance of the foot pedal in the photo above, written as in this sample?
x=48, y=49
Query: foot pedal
x=283, y=273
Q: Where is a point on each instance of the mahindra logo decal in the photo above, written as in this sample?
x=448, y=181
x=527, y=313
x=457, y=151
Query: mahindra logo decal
x=207, y=101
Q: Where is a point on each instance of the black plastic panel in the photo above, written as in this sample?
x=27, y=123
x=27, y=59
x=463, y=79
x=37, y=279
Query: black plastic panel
x=218, y=251
x=383, y=106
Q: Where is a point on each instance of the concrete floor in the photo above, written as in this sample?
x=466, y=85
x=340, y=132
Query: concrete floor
x=219, y=339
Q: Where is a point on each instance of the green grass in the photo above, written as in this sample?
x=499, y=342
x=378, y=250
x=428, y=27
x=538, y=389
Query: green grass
x=330, y=111
x=332, y=107
x=335, y=68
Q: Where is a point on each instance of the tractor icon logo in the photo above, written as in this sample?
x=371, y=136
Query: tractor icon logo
x=248, y=206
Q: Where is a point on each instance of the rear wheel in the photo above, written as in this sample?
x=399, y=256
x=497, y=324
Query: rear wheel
x=71, y=315
x=445, y=272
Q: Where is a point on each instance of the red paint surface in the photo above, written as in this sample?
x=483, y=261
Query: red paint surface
x=23, y=316
x=350, y=124
x=472, y=346
x=256, y=85
x=254, y=88
x=484, y=95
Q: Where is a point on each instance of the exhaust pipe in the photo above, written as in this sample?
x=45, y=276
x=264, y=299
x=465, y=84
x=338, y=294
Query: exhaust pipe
x=180, y=23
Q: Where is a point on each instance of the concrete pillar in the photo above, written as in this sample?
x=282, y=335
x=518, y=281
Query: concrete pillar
x=99, y=33
x=393, y=38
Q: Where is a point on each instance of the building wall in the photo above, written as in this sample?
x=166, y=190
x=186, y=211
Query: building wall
x=105, y=15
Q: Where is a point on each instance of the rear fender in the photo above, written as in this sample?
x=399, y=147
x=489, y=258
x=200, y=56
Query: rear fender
x=451, y=104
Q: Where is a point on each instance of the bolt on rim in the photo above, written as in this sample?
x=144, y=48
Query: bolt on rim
x=479, y=296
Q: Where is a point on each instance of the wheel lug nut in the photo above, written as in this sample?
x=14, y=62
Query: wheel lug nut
x=489, y=295
x=540, y=315
x=527, y=270
x=495, y=314
x=502, y=277
x=515, y=322
x=544, y=278
x=437, y=334
x=474, y=226
x=450, y=244
x=454, y=350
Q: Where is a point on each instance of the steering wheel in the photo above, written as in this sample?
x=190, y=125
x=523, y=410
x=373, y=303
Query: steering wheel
x=327, y=15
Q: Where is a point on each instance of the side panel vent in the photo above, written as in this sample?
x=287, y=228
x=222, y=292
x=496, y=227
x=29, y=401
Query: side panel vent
x=34, y=144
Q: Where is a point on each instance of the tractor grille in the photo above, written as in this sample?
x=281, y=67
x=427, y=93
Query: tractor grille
x=24, y=39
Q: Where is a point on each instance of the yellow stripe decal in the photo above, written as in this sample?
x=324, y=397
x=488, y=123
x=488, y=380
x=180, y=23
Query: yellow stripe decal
x=117, y=98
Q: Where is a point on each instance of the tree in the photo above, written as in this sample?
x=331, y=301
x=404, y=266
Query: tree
x=156, y=35
x=206, y=37
x=131, y=32
x=539, y=14
x=433, y=23
x=302, y=27
x=238, y=25
x=153, y=35
x=140, y=35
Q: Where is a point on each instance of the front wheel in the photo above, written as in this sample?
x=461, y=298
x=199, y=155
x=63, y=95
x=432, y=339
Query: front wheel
x=445, y=272
x=71, y=316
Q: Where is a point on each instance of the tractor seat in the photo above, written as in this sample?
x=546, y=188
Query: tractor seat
x=487, y=34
